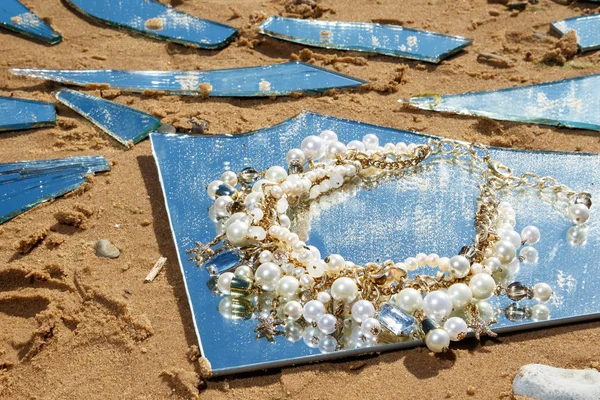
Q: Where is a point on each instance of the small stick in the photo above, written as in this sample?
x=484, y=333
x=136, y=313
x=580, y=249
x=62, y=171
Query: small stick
x=494, y=59
x=156, y=269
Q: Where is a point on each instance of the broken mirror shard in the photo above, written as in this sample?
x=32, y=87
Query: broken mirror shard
x=391, y=40
x=18, y=114
x=260, y=81
x=571, y=103
x=18, y=18
x=586, y=27
x=126, y=125
x=430, y=210
x=25, y=184
x=158, y=21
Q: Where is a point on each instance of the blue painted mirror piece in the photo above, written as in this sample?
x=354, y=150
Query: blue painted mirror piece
x=17, y=114
x=124, y=124
x=18, y=18
x=587, y=28
x=430, y=210
x=25, y=184
x=158, y=21
x=261, y=81
x=572, y=103
x=391, y=40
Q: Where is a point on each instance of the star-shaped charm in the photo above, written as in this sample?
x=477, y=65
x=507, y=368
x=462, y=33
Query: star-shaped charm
x=482, y=327
x=267, y=327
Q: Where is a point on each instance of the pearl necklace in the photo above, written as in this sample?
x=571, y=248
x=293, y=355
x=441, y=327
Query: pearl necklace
x=333, y=303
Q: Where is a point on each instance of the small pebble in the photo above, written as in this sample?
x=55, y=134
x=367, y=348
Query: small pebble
x=106, y=249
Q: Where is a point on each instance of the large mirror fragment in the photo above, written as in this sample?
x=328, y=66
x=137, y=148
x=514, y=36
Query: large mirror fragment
x=586, y=27
x=18, y=114
x=18, y=18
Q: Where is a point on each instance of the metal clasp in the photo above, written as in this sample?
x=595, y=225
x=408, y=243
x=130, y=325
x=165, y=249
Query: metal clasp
x=498, y=169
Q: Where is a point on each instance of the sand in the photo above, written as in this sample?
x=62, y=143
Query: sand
x=73, y=325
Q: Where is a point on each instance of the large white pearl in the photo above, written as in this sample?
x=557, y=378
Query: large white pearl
x=287, y=286
x=237, y=231
x=314, y=147
x=409, y=300
x=460, y=294
x=257, y=233
x=344, y=289
x=244, y=270
x=362, y=310
x=335, y=148
x=530, y=234
x=224, y=282
x=437, y=305
x=493, y=263
x=542, y=291
x=370, y=141
x=292, y=310
x=456, y=328
x=326, y=323
x=276, y=174
x=540, y=312
x=222, y=205
x=295, y=156
x=356, y=145
x=459, y=266
x=313, y=310
x=505, y=251
x=482, y=285
x=512, y=237
x=267, y=274
x=324, y=297
x=335, y=263
x=437, y=340
x=212, y=187
x=328, y=136
x=529, y=255
x=306, y=281
x=578, y=213
x=370, y=328
x=230, y=178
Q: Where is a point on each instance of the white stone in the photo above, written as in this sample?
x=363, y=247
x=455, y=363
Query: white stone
x=543, y=382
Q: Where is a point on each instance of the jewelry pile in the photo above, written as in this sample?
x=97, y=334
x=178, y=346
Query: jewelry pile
x=332, y=303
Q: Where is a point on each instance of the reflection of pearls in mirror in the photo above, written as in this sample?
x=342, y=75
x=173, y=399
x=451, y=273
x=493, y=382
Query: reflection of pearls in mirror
x=329, y=302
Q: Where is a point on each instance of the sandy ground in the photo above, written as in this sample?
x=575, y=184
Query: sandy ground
x=76, y=326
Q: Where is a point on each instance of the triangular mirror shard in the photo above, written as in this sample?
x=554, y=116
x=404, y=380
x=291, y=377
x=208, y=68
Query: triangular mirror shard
x=158, y=21
x=391, y=40
x=572, y=103
x=18, y=114
x=268, y=80
x=25, y=184
x=18, y=18
x=587, y=28
x=125, y=124
x=430, y=210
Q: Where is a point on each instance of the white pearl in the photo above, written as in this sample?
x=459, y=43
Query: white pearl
x=313, y=147
x=313, y=310
x=542, y=292
x=276, y=174
x=224, y=282
x=312, y=337
x=230, y=178
x=265, y=256
x=306, y=281
x=437, y=305
x=335, y=148
x=505, y=251
x=411, y=263
x=409, y=300
x=287, y=286
x=305, y=256
x=326, y=323
x=529, y=255
x=316, y=253
x=328, y=344
x=493, y=263
x=540, y=312
x=284, y=220
x=578, y=213
x=512, y=237
x=295, y=156
x=267, y=274
x=259, y=185
x=257, y=233
x=370, y=328
x=324, y=297
x=460, y=294
x=328, y=136
x=335, y=263
x=437, y=340
x=237, y=231
x=244, y=270
x=362, y=310
x=444, y=264
x=421, y=259
x=316, y=268
x=482, y=285
x=459, y=266
x=530, y=234
x=432, y=260
x=456, y=328
x=370, y=141
x=212, y=187
x=239, y=216
x=356, y=145
x=222, y=205
x=282, y=206
x=344, y=289
x=292, y=310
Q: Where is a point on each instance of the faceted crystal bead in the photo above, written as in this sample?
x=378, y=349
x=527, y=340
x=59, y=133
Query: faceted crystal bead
x=248, y=176
x=225, y=189
x=515, y=312
x=517, y=291
x=280, y=257
x=222, y=262
x=585, y=199
x=394, y=319
x=240, y=286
